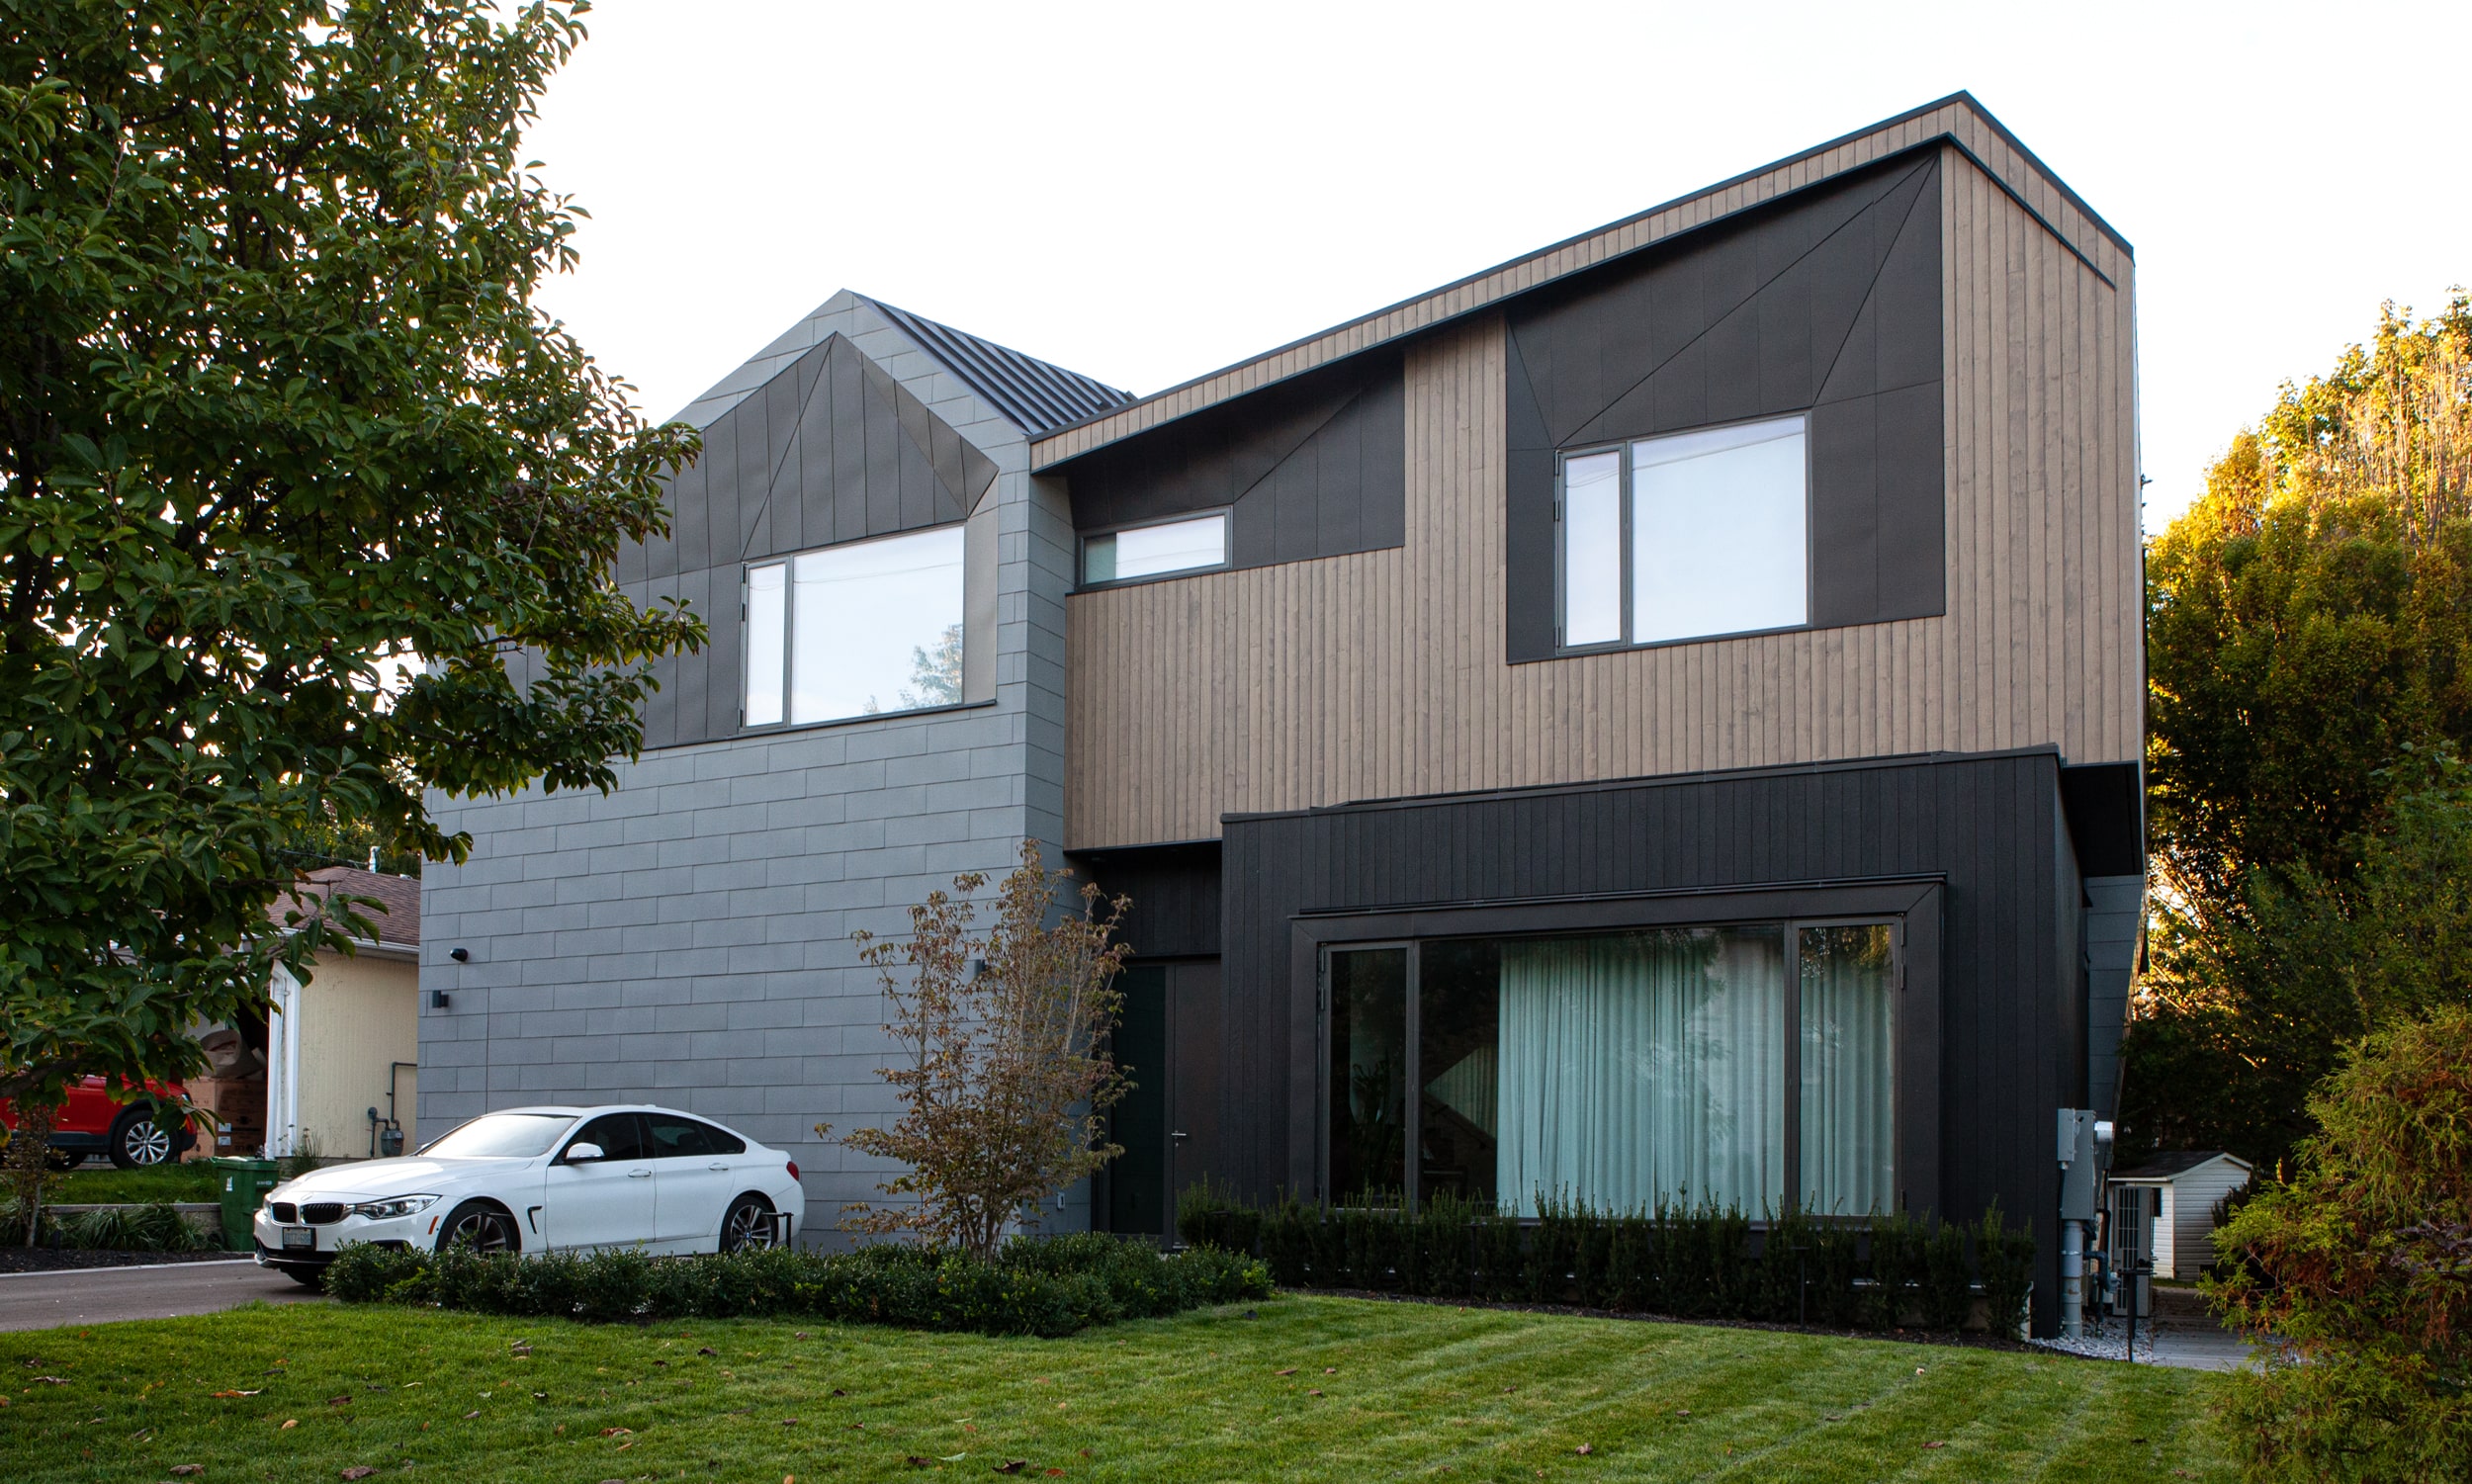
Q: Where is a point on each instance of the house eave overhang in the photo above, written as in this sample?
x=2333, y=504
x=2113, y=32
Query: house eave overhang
x=1957, y=122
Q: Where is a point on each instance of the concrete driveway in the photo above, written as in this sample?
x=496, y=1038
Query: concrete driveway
x=42, y=1301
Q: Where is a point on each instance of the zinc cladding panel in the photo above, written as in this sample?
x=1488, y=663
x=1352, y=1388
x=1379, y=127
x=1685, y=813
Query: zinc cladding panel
x=1382, y=674
x=830, y=449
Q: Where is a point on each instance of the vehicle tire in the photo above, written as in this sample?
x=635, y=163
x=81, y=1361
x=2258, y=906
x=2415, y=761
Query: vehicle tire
x=748, y=1223
x=138, y=1141
x=63, y=1160
x=485, y=1226
x=306, y=1277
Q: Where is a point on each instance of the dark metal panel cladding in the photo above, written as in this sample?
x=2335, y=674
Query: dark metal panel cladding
x=725, y=618
x=1827, y=300
x=1035, y=394
x=1175, y=892
x=2008, y=1034
x=1316, y=466
x=847, y=495
x=696, y=672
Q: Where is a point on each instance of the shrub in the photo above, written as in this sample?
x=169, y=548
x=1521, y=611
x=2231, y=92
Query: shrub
x=1703, y=1261
x=1044, y=1286
x=2363, y=1266
x=155, y=1227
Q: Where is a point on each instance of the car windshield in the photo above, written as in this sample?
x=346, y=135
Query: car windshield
x=503, y=1136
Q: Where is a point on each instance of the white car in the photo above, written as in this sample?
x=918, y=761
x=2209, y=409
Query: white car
x=543, y=1179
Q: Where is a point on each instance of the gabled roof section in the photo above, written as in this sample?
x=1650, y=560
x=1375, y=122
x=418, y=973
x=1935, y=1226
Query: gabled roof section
x=398, y=920
x=1956, y=121
x=1037, y=395
x=2171, y=1164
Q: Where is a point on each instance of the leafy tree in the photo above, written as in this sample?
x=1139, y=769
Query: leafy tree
x=2308, y=627
x=2363, y=1264
x=288, y=464
x=936, y=673
x=1006, y=1079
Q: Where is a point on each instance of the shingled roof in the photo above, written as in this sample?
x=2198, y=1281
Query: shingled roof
x=397, y=922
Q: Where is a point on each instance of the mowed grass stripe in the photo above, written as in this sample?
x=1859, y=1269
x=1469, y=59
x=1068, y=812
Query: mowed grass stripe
x=1419, y=1391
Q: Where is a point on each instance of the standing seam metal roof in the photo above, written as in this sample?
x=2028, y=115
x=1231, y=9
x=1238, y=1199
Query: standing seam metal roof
x=1035, y=394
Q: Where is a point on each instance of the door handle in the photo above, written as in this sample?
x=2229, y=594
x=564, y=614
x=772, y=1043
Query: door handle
x=639, y=1175
x=1179, y=1135
x=722, y=1167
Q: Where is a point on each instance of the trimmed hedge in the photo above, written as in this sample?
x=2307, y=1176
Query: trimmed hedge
x=1697, y=1262
x=1046, y=1286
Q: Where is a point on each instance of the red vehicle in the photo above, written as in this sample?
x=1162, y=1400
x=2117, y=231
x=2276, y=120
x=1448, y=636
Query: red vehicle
x=98, y=1121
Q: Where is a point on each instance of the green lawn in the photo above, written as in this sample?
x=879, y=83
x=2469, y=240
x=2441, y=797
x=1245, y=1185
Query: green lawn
x=100, y=1184
x=1315, y=1388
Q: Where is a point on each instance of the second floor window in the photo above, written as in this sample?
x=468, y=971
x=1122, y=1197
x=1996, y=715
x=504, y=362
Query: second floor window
x=864, y=628
x=1195, y=544
x=1688, y=535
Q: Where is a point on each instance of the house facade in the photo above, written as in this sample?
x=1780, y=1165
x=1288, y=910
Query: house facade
x=1657, y=721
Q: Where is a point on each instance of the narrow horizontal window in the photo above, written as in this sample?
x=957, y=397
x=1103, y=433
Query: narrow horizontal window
x=1154, y=551
x=1689, y=536
x=864, y=629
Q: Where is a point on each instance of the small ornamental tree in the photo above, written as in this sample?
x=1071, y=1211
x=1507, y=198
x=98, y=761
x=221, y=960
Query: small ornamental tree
x=1006, y=1077
x=2362, y=1264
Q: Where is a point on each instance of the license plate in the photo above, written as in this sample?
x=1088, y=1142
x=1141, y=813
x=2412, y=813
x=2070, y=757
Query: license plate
x=299, y=1236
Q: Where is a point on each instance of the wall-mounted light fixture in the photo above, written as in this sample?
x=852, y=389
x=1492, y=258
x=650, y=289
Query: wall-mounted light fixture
x=437, y=1000
x=459, y=955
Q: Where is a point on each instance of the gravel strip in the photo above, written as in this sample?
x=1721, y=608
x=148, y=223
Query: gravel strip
x=2107, y=1343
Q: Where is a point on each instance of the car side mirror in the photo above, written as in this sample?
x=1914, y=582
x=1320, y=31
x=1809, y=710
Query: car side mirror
x=577, y=1153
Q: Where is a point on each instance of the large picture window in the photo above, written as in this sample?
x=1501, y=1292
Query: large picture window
x=1749, y=1066
x=1686, y=537
x=862, y=629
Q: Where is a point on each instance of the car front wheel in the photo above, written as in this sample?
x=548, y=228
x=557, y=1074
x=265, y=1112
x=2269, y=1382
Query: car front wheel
x=481, y=1226
x=748, y=1223
x=139, y=1140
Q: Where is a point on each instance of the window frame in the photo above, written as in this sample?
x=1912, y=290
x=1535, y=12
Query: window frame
x=788, y=561
x=1789, y=928
x=1625, y=502
x=1227, y=548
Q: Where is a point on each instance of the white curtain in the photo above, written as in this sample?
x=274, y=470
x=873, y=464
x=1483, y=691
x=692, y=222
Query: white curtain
x=1849, y=1071
x=1643, y=1064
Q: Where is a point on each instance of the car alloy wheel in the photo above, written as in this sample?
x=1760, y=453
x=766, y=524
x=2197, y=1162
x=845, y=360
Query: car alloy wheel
x=138, y=1140
x=750, y=1223
x=479, y=1227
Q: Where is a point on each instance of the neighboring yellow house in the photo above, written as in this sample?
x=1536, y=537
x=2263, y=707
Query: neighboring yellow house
x=340, y=1050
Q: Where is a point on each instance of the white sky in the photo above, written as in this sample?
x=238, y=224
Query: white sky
x=1147, y=191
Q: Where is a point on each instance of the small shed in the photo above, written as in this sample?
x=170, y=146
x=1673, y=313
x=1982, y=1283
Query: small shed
x=2165, y=1208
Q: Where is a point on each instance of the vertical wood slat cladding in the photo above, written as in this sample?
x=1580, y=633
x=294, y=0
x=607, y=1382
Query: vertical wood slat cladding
x=1380, y=675
x=1956, y=119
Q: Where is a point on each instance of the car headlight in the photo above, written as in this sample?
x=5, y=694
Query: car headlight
x=392, y=1206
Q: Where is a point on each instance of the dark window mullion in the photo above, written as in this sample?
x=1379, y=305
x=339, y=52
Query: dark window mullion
x=1792, y=1125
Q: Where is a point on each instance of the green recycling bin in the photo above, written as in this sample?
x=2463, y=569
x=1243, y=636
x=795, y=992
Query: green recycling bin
x=245, y=1184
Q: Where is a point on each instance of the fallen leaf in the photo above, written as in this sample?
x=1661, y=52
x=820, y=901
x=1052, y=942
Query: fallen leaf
x=469, y=1415
x=789, y=1422
x=1935, y=1444
x=1316, y=1391
x=561, y=1429
x=1329, y=1371
x=1055, y=1473
x=837, y=1391
x=605, y=1432
x=358, y=1471
x=1507, y=1390
x=51, y=1381
x=1013, y=1465
x=1585, y=1449
x=1060, y=1406
x=219, y=1395
x=1682, y=1411
x=520, y=1348
x=337, y=1401
x=630, y=1443
x=802, y=1334
x=288, y=1424
x=1290, y=1372
x=706, y=1349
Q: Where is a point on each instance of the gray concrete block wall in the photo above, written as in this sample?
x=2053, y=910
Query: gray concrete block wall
x=686, y=938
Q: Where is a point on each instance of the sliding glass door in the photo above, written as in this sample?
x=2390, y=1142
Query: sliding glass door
x=1745, y=1065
